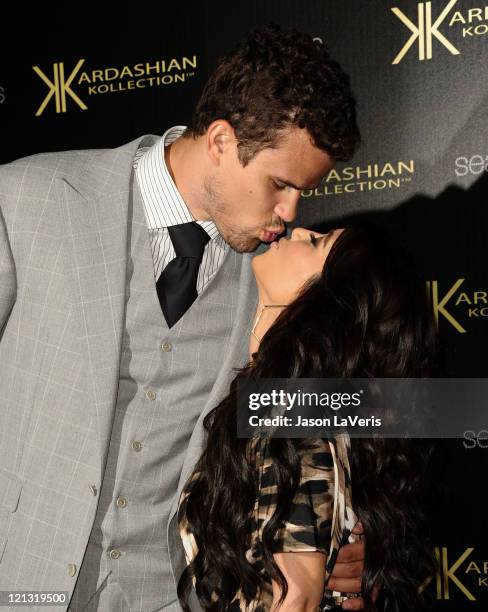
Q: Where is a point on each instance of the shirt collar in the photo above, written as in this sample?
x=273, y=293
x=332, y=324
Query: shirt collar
x=163, y=203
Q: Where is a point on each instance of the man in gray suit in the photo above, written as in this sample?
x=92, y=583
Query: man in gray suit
x=107, y=366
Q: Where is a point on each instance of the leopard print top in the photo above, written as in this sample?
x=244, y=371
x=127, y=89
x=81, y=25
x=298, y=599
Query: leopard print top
x=321, y=516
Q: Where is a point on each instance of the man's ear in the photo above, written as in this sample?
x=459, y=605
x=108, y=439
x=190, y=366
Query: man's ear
x=220, y=139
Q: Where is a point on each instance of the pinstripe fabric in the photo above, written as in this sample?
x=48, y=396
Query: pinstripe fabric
x=63, y=291
x=164, y=207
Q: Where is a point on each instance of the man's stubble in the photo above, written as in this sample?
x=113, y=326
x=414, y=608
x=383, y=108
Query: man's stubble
x=242, y=240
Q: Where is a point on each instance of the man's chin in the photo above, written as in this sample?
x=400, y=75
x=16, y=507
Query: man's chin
x=243, y=245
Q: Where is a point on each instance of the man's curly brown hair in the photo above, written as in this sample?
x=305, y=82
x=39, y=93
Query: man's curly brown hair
x=274, y=80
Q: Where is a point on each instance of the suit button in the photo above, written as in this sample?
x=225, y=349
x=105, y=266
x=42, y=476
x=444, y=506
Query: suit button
x=137, y=446
x=114, y=553
x=151, y=395
x=121, y=502
x=93, y=489
x=167, y=346
x=71, y=569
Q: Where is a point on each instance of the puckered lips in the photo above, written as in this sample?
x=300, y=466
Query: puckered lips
x=276, y=243
x=270, y=235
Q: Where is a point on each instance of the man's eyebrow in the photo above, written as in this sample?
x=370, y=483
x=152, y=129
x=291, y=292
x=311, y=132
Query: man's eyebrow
x=290, y=184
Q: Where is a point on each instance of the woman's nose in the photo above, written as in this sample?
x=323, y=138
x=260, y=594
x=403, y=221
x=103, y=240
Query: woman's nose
x=298, y=233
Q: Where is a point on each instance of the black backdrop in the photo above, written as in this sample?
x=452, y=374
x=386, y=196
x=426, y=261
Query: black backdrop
x=91, y=75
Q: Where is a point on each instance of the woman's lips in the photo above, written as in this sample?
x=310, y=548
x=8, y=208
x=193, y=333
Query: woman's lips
x=276, y=243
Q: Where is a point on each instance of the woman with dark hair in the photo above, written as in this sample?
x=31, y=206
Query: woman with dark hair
x=262, y=519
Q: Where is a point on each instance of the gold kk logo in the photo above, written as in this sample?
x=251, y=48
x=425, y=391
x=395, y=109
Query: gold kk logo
x=447, y=573
x=424, y=31
x=59, y=87
x=439, y=305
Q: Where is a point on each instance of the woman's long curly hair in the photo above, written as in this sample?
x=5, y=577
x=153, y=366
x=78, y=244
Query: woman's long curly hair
x=366, y=315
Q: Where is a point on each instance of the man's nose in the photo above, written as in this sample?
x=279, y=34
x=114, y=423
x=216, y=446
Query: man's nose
x=287, y=208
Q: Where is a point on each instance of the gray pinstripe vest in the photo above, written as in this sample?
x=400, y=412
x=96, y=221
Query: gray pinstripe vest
x=165, y=378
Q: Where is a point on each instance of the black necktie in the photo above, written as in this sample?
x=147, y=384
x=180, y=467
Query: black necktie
x=177, y=284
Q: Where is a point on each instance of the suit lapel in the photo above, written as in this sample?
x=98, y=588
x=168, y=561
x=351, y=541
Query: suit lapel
x=97, y=205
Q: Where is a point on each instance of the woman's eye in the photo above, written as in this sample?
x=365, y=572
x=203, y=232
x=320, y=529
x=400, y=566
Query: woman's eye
x=313, y=239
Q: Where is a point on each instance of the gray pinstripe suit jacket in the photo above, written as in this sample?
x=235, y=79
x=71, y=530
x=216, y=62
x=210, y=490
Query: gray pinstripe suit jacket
x=63, y=251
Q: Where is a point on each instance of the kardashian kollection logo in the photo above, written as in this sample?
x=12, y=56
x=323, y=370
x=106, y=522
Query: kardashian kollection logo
x=435, y=23
x=374, y=176
x=59, y=87
x=457, y=304
x=459, y=575
x=71, y=87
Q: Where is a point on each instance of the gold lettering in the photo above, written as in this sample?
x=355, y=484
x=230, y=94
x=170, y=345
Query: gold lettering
x=424, y=31
x=457, y=17
x=481, y=296
x=449, y=573
x=332, y=176
x=59, y=87
x=478, y=312
x=189, y=62
x=174, y=64
x=410, y=167
x=439, y=306
x=126, y=71
x=84, y=77
x=150, y=67
x=367, y=172
x=97, y=75
x=110, y=74
x=437, y=575
x=473, y=14
x=473, y=567
x=387, y=168
x=138, y=69
x=463, y=297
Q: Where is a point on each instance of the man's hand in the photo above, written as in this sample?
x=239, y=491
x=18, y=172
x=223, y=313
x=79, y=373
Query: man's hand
x=348, y=570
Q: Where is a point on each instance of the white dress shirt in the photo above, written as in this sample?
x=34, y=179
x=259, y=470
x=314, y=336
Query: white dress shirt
x=164, y=207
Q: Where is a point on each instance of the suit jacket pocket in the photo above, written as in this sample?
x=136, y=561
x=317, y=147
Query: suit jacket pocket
x=10, y=488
